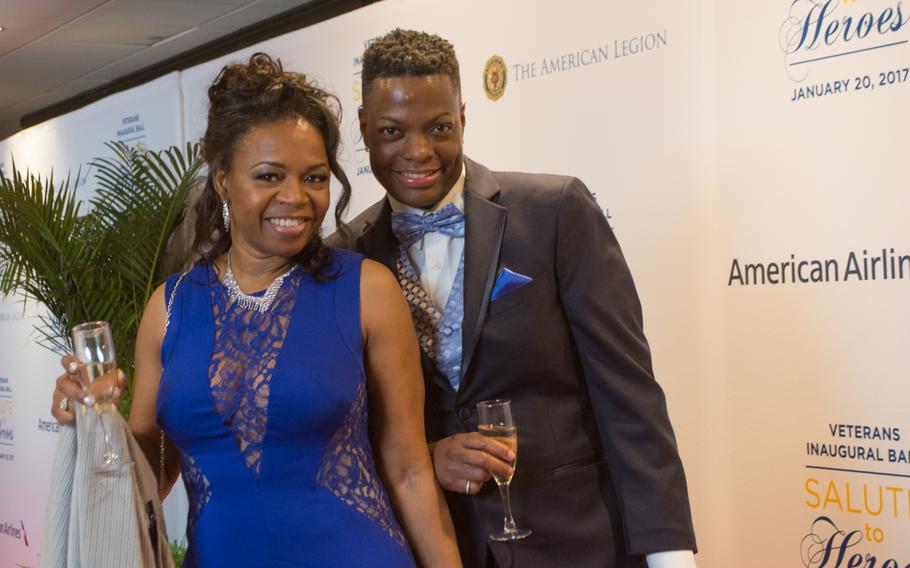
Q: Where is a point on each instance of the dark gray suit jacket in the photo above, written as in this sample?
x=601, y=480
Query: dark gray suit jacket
x=599, y=479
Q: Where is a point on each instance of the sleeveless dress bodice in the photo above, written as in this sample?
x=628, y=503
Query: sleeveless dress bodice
x=269, y=414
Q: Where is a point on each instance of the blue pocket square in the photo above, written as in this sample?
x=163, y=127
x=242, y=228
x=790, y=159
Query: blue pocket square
x=507, y=282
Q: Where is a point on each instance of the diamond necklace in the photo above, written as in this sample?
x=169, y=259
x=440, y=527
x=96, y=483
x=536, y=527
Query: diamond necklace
x=246, y=301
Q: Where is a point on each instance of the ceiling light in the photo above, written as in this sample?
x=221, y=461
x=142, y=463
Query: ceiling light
x=2, y=28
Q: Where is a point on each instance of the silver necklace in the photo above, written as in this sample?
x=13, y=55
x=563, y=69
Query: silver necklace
x=246, y=301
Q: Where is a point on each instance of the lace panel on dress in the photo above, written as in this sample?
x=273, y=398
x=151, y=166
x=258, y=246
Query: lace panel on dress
x=247, y=345
x=199, y=491
x=348, y=471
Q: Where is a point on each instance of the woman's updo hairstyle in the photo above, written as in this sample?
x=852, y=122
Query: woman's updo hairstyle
x=243, y=97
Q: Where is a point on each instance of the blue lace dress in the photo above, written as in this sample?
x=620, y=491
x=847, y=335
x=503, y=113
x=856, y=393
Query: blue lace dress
x=269, y=413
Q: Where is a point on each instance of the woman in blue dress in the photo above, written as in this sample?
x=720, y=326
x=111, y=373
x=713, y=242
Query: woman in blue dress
x=276, y=364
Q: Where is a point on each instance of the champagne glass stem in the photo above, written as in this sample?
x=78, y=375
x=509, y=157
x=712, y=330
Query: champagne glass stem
x=508, y=525
x=109, y=457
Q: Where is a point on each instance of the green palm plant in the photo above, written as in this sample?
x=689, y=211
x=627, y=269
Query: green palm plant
x=99, y=260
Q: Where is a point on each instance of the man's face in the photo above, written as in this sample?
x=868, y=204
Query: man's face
x=414, y=130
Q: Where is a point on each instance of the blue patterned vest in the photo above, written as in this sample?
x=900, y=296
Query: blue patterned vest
x=439, y=333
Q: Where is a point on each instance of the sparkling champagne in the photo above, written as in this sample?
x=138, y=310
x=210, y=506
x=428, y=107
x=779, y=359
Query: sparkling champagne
x=507, y=435
x=100, y=390
x=93, y=346
x=494, y=420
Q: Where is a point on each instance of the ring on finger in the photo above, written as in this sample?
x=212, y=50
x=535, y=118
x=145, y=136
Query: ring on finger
x=64, y=404
x=467, y=487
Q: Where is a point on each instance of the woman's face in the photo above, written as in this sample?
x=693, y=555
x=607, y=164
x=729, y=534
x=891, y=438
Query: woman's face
x=277, y=188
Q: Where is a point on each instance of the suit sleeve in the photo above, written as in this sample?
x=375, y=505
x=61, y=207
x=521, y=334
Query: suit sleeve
x=604, y=314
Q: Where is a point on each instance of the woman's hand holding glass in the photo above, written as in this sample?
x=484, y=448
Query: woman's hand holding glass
x=69, y=391
x=91, y=378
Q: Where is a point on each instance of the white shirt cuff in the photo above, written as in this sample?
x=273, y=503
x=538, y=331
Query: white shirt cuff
x=671, y=559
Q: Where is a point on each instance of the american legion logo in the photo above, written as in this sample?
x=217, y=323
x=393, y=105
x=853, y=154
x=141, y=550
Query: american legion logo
x=495, y=78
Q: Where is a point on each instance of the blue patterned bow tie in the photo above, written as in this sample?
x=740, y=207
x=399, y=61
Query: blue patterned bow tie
x=411, y=227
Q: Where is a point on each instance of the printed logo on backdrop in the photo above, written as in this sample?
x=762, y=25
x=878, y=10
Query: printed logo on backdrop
x=834, y=47
x=131, y=132
x=858, y=479
x=496, y=74
x=606, y=212
x=7, y=435
x=11, y=316
x=867, y=265
x=495, y=78
x=14, y=530
x=49, y=425
x=360, y=149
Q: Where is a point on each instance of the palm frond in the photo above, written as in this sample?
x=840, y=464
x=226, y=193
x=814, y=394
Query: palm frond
x=103, y=264
x=41, y=248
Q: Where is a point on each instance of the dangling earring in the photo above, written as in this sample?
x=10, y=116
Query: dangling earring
x=226, y=216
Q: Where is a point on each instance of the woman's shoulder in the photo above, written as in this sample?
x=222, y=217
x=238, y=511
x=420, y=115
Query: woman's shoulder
x=373, y=277
x=344, y=262
x=377, y=281
x=200, y=272
x=345, y=256
x=195, y=269
x=197, y=272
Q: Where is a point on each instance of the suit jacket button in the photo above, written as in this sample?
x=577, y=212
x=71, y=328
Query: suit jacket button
x=464, y=412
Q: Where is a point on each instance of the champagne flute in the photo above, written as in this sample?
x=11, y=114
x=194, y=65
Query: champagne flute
x=93, y=347
x=495, y=421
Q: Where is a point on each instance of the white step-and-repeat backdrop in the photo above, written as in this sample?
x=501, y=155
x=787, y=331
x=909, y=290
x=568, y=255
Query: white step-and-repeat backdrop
x=751, y=159
x=808, y=272
x=148, y=116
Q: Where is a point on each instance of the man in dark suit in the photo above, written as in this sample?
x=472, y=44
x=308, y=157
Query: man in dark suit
x=518, y=290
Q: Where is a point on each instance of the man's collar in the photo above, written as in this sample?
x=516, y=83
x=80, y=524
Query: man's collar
x=455, y=195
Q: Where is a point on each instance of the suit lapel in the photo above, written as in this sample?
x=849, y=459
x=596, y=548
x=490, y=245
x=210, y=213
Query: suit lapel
x=377, y=241
x=485, y=223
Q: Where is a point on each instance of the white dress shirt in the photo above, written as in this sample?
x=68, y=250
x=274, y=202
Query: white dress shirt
x=435, y=258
